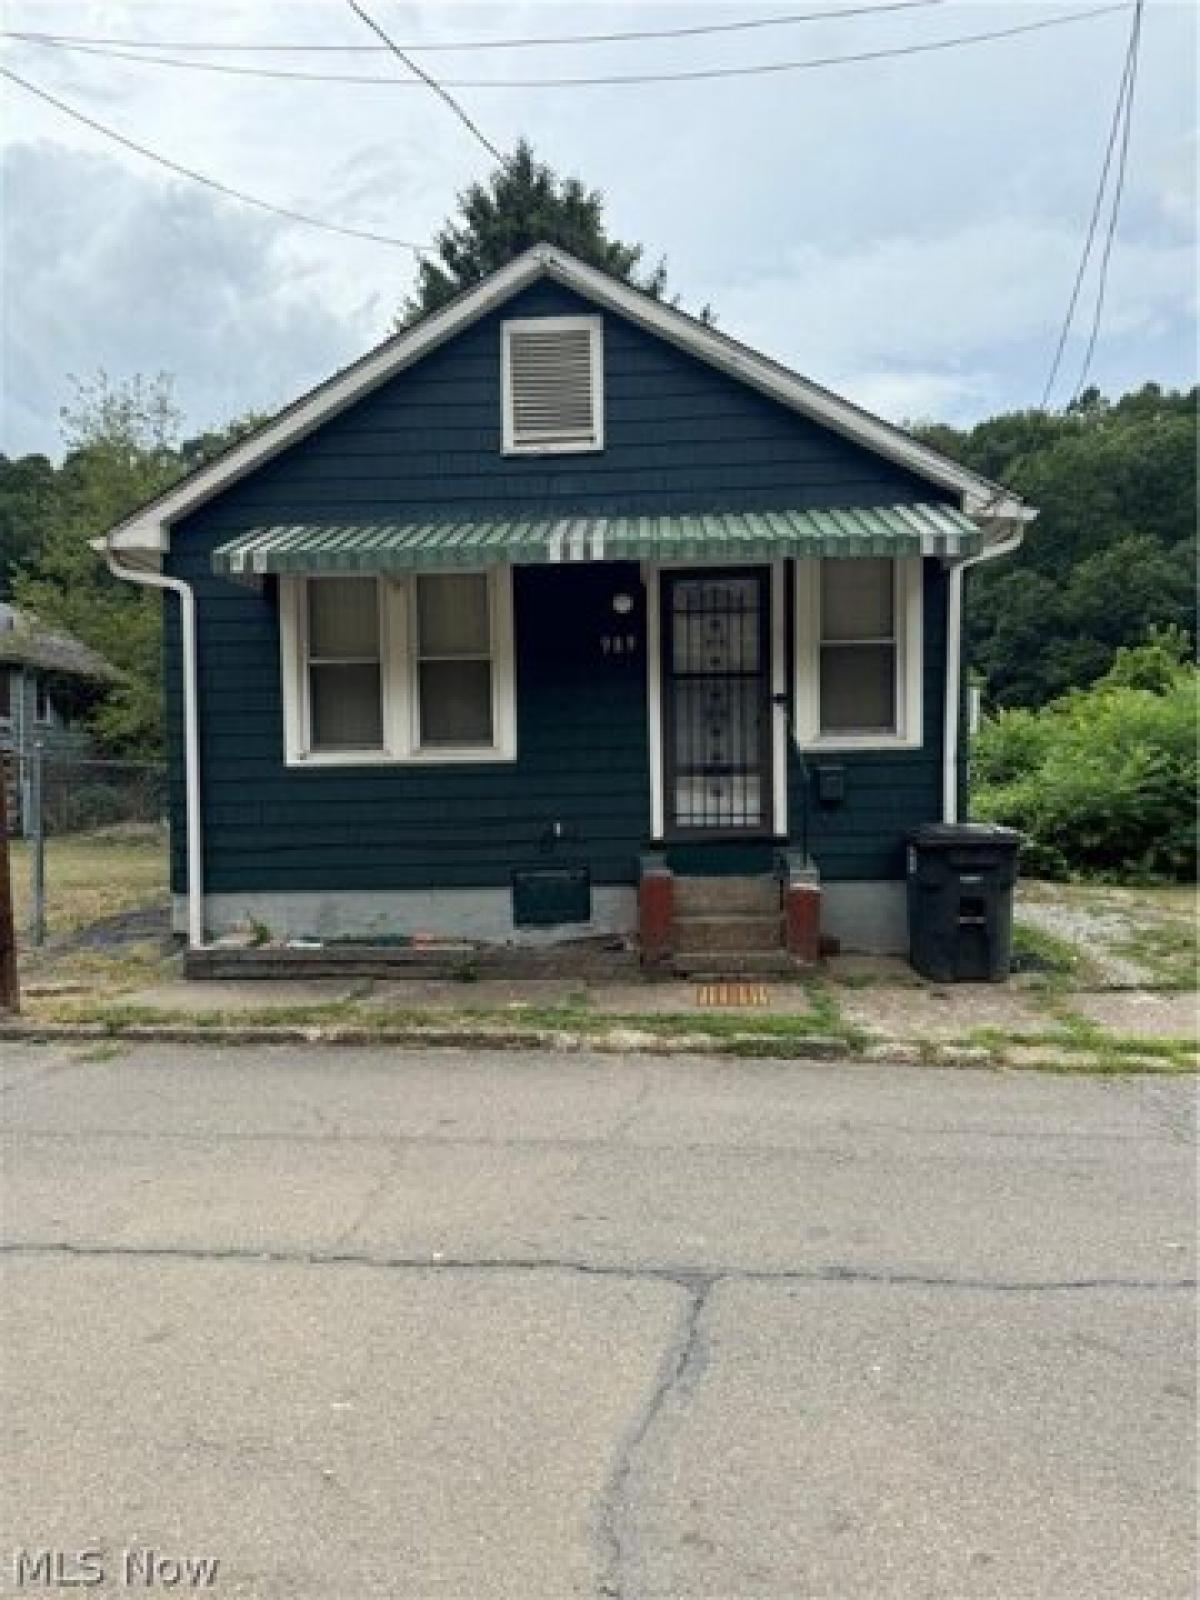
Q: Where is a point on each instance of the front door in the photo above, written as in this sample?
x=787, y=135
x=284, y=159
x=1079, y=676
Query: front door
x=717, y=702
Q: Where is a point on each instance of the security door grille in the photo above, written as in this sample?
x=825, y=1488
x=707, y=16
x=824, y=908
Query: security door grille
x=716, y=706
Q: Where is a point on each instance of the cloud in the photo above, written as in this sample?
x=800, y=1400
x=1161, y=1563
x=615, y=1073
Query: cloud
x=107, y=268
x=933, y=325
x=906, y=231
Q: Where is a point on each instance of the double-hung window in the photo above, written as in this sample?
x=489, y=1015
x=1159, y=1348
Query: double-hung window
x=413, y=669
x=858, y=652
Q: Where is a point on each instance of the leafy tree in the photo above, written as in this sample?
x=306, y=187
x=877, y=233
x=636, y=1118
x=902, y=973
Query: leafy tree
x=28, y=497
x=121, y=450
x=523, y=203
x=1111, y=554
x=1103, y=780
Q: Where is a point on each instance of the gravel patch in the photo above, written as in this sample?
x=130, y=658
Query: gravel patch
x=1094, y=932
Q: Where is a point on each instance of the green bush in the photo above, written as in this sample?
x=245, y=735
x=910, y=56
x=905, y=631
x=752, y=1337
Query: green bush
x=1103, y=781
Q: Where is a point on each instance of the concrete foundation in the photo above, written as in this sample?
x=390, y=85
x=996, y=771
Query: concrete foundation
x=479, y=915
x=869, y=918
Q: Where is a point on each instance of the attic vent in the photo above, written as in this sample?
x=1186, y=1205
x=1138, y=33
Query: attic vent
x=553, y=385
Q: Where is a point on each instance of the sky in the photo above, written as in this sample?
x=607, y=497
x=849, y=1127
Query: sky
x=904, y=231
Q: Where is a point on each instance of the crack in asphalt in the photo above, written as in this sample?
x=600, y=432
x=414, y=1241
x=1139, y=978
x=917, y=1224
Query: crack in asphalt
x=678, y=1370
x=691, y=1278
x=371, y=1199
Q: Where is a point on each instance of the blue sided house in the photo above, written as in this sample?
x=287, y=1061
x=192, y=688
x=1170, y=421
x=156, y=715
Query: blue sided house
x=561, y=613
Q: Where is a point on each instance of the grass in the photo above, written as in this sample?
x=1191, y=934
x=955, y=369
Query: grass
x=91, y=876
x=1055, y=959
x=1080, y=1045
x=1168, y=951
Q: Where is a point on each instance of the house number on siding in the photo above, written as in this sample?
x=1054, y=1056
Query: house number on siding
x=618, y=644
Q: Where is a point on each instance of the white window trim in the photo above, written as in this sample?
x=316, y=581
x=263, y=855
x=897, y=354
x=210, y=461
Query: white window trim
x=397, y=651
x=43, y=705
x=909, y=733
x=595, y=328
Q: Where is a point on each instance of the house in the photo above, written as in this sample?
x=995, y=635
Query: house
x=551, y=615
x=47, y=680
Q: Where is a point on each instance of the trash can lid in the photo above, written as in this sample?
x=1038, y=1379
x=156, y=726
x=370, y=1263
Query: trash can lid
x=952, y=835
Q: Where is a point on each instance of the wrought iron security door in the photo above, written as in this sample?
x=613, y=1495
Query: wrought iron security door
x=717, y=706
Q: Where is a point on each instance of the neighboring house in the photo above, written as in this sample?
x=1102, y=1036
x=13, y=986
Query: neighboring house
x=47, y=680
x=553, y=595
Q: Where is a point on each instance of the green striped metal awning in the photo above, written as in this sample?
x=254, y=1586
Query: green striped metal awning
x=365, y=547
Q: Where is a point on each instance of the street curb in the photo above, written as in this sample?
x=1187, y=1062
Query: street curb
x=616, y=1041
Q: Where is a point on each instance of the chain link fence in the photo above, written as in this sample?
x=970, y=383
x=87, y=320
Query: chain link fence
x=62, y=801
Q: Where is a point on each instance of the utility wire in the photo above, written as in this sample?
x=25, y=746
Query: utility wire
x=199, y=177
x=1118, y=192
x=745, y=25
x=431, y=83
x=1114, y=130
x=693, y=75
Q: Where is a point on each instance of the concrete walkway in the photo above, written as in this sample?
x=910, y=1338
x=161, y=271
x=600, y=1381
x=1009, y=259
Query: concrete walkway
x=891, y=1006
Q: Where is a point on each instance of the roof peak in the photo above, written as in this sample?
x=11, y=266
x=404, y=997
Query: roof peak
x=148, y=528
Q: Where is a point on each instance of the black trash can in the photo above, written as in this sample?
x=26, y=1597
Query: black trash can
x=960, y=893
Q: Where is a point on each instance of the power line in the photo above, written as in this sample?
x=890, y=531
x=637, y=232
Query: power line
x=1096, y=208
x=200, y=177
x=430, y=82
x=1118, y=192
x=745, y=25
x=1094, y=220
x=692, y=75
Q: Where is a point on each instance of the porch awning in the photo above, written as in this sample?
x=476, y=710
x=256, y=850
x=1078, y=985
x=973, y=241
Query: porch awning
x=366, y=547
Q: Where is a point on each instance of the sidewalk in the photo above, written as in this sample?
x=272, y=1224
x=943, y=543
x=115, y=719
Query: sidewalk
x=874, y=1010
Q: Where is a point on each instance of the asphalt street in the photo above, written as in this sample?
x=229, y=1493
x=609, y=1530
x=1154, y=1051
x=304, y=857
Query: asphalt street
x=357, y=1323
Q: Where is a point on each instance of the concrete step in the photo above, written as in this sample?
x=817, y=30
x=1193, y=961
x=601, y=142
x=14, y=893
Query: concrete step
x=734, y=964
x=736, y=930
x=723, y=896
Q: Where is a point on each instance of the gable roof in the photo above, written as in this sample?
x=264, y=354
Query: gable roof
x=148, y=529
x=24, y=642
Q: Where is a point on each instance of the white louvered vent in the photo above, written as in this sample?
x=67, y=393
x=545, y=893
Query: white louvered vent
x=553, y=384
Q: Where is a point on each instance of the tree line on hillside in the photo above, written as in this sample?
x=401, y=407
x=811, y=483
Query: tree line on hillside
x=1109, y=559
x=1112, y=553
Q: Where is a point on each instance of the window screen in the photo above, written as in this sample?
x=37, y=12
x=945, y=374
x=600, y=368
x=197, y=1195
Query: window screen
x=858, y=646
x=454, y=660
x=344, y=689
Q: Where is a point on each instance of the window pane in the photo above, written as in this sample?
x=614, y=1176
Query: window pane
x=343, y=618
x=857, y=598
x=456, y=702
x=858, y=688
x=345, y=707
x=452, y=615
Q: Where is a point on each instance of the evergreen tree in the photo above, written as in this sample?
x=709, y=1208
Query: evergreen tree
x=521, y=204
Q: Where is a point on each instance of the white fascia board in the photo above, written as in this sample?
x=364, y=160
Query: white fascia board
x=980, y=495
x=148, y=529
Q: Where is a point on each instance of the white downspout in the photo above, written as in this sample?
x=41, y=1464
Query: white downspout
x=954, y=667
x=191, y=733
